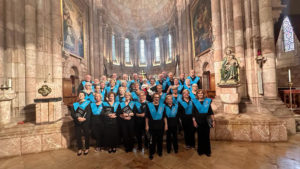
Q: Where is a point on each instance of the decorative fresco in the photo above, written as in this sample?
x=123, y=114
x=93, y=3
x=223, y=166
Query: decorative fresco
x=73, y=29
x=200, y=15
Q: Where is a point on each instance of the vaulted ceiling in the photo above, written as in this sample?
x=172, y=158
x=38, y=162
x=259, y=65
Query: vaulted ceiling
x=140, y=14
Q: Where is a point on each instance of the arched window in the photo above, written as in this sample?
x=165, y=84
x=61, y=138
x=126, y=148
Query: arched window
x=142, y=52
x=113, y=48
x=127, y=51
x=288, y=35
x=157, y=50
x=170, y=46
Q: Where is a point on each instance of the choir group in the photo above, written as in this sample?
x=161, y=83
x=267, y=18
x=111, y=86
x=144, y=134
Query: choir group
x=142, y=110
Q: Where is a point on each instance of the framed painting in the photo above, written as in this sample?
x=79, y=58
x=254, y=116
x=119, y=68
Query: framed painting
x=72, y=29
x=200, y=16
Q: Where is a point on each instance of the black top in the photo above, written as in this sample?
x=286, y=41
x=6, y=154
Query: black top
x=126, y=109
x=155, y=124
x=88, y=111
x=172, y=121
x=201, y=118
x=181, y=111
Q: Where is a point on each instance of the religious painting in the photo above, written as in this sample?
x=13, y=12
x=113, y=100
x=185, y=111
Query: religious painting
x=200, y=15
x=73, y=29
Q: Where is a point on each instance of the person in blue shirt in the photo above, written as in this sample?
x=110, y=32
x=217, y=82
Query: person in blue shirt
x=156, y=124
x=195, y=79
x=185, y=108
x=171, y=111
x=81, y=114
x=89, y=94
x=203, y=120
x=97, y=121
x=113, y=87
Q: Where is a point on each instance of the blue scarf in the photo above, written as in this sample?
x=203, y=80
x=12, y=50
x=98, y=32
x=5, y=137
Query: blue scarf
x=171, y=112
x=192, y=96
x=202, y=108
x=195, y=81
x=95, y=109
x=103, y=93
x=115, y=105
x=118, y=99
x=82, y=105
x=90, y=97
x=115, y=89
x=156, y=115
x=131, y=105
x=138, y=106
x=180, y=82
x=162, y=98
x=188, y=107
x=175, y=100
x=135, y=97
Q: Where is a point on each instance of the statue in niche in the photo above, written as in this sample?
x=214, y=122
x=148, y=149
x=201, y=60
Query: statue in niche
x=230, y=69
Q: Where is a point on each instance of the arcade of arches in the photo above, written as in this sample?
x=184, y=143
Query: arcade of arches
x=55, y=43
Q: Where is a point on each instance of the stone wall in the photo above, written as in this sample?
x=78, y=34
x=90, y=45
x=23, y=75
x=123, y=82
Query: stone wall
x=287, y=60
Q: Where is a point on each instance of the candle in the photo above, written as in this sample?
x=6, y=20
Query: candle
x=290, y=78
x=9, y=83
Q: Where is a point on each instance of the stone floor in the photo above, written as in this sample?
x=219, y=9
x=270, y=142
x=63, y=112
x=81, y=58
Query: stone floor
x=226, y=155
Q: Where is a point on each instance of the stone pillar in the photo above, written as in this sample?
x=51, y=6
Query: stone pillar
x=2, y=32
x=101, y=43
x=224, y=25
x=41, y=59
x=231, y=99
x=90, y=57
x=268, y=48
x=95, y=37
x=30, y=49
x=217, y=41
x=229, y=20
x=239, y=43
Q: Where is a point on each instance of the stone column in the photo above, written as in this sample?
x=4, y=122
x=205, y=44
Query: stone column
x=90, y=56
x=224, y=25
x=95, y=38
x=2, y=32
x=268, y=48
x=41, y=59
x=217, y=41
x=30, y=49
x=239, y=43
x=101, y=43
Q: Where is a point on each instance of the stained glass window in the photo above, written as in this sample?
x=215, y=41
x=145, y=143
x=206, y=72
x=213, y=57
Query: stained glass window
x=127, y=51
x=157, y=50
x=113, y=48
x=142, y=52
x=170, y=46
x=288, y=35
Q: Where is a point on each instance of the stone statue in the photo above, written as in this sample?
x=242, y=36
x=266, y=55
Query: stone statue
x=230, y=69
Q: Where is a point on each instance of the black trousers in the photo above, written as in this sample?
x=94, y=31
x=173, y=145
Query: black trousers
x=82, y=129
x=97, y=130
x=140, y=132
x=189, y=131
x=156, y=141
x=172, y=139
x=127, y=129
x=203, y=131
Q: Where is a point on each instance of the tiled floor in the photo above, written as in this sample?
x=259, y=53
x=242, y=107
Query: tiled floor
x=225, y=155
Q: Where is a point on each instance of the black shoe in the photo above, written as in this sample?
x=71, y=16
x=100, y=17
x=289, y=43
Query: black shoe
x=207, y=154
x=176, y=151
x=151, y=157
x=160, y=154
x=114, y=150
x=168, y=151
x=109, y=150
x=200, y=154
